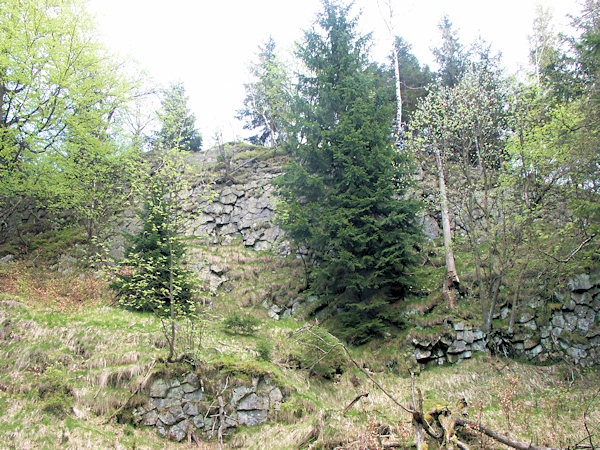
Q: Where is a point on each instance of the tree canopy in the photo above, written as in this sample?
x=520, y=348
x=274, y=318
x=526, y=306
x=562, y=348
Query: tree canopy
x=342, y=192
x=178, y=124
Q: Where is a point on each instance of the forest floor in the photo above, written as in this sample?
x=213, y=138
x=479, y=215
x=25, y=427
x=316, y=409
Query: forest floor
x=70, y=358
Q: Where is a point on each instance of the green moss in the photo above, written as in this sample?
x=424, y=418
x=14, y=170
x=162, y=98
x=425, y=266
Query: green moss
x=249, y=369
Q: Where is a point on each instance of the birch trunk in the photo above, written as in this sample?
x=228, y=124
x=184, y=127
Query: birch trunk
x=452, y=281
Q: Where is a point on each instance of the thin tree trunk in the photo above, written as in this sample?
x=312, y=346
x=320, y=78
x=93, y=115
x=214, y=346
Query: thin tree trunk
x=389, y=22
x=398, y=91
x=171, y=288
x=452, y=281
x=513, y=312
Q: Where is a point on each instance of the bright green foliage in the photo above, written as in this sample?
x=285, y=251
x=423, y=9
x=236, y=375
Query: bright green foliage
x=266, y=106
x=240, y=324
x=152, y=277
x=59, y=94
x=178, y=124
x=341, y=193
x=319, y=352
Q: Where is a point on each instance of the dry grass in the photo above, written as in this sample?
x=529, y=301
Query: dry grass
x=45, y=287
x=103, y=352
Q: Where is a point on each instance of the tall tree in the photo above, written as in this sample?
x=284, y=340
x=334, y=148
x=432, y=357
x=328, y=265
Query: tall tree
x=464, y=127
x=59, y=93
x=451, y=56
x=178, y=124
x=414, y=78
x=342, y=191
x=152, y=276
x=543, y=43
x=266, y=106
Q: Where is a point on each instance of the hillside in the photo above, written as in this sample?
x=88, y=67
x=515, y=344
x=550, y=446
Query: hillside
x=81, y=372
x=71, y=362
x=395, y=257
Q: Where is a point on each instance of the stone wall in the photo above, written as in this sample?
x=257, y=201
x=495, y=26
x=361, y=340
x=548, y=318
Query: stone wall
x=180, y=406
x=243, y=208
x=565, y=328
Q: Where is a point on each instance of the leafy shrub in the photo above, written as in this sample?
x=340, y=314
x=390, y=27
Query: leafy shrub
x=319, y=352
x=56, y=394
x=264, y=349
x=153, y=271
x=241, y=324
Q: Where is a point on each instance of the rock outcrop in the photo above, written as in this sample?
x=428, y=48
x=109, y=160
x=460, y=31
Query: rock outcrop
x=243, y=208
x=567, y=328
x=180, y=406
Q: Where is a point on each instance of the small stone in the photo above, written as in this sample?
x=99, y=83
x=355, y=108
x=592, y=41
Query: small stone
x=526, y=317
x=198, y=421
x=187, y=388
x=161, y=428
x=159, y=389
x=458, y=347
x=150, y=418
x=167, y=417
x=252, y=418
x=466, y=355
x=581, y=299
x=190, y=409
x=421, y=355
x=7, y=258
x=469, y=337
x=530, y=343
x=569, y=305
x=531, y=325
x=178, y=432
x=558, y=321
x=478, y=335
x=580, y=283
x=252, y=402
x=446, y=340
x=239, y=393
x=459, y=326
x=195, y=396
x=452, y=358
x=545, y=332
x=576, y=353
x=536, y=351
x=208, y=423
x=157, y=403
x=177, y=412
x=275, y=398
x=230, y=422
x=176, y=392
x=570, y=322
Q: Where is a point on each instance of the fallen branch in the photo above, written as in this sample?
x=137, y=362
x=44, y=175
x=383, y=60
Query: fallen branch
x=499, y=437
x=221, y=421
x=357, y=398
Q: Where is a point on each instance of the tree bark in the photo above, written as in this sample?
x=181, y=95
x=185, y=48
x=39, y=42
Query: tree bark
x=452, y=281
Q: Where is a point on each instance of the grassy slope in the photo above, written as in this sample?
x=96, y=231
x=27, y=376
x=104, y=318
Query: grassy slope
x=69, y=360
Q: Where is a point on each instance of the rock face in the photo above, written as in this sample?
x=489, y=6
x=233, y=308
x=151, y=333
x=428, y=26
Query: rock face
x=180, y=406
x=570, y=331
x=242, y=209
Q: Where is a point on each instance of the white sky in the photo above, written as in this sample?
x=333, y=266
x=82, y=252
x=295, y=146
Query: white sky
x=208, y=44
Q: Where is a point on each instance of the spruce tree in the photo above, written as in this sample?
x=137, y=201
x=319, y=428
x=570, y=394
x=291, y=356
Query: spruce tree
x=342, y=192
x=178, y=123
x=152, y=276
